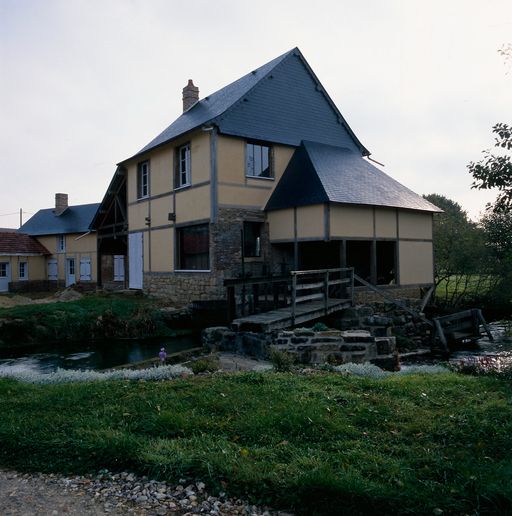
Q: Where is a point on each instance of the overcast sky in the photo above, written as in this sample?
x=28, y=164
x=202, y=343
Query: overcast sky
x=85, y=84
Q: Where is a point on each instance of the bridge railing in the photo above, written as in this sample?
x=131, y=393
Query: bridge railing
x=321, y=285
x=251, y=295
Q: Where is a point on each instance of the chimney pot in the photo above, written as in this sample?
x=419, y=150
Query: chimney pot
x=61, y=203
x=190, y=95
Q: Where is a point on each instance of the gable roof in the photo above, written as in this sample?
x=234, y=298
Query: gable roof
x=75, y=219
x=281, y=101
x=12, y=243
x=319, y=173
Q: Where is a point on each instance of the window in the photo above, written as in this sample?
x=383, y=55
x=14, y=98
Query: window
x=182, y=176
x=61, y=243
x=193, y=244
x=23, y=270
x=142, y=179
x=252, y=239
x=258, y=162
x=3, y=270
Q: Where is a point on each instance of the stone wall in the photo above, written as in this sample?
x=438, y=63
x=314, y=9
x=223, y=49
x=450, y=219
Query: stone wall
x=184, y=287
x=306, y=346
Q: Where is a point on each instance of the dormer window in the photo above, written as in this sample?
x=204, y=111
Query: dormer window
x=182, y=176
x=143, y=180
x=258, y=161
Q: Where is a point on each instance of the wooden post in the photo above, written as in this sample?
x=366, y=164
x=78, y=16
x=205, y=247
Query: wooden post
x=294, y=296
x=326, y=291
x=231, y=303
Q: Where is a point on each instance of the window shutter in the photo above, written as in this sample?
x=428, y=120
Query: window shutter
x=52, y=270
x=85, y=268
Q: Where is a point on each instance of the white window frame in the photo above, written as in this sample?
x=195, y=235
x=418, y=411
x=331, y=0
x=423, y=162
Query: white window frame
x=183, y=166
x=23, y=276
x=61, y=243
x=143, y=179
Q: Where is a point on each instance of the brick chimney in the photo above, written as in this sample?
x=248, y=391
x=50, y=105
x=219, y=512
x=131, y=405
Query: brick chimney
x=61, y=203
x=190, y=95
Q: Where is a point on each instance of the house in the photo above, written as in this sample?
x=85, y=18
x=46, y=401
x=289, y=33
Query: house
x=261, y=177
x=22, y=261
x=72, y=247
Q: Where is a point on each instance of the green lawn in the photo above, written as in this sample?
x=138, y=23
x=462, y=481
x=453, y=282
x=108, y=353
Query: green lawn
x=92, y=317
x=322, y=443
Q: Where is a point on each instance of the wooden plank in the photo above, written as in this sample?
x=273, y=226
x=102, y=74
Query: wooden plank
x=310, y=297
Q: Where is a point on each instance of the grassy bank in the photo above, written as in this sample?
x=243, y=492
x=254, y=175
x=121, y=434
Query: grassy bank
x=322, y=443
x=89, y=318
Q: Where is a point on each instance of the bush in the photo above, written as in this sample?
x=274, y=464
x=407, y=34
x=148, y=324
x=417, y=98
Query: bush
x=281, y=360
x=205, y=365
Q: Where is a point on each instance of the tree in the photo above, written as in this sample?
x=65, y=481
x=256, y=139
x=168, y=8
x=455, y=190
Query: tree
x=495, y=170
x=460, y=254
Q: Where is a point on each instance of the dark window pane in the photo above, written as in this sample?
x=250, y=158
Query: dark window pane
x=193, y=247
x=252, y=239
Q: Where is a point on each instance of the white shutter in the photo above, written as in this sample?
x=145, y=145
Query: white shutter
x=118, y=267
x=85, y=268
x=135, y=260
x=52, y=270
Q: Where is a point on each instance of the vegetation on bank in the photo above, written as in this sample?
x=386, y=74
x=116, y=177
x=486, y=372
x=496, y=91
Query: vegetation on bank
x=323, y=443
x=89, y=318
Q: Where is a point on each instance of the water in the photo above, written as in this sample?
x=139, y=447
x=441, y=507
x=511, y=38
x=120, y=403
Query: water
x=90, y=355
x=499, y=351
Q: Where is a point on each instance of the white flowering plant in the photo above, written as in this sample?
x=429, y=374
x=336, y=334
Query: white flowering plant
x=168, y=372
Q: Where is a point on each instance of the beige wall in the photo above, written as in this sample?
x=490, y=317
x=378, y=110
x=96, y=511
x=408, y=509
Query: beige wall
x=385, y=223
x=235, y=189
x=35, y=264
x=415, y=262
x=280, y=224
x=162, y=250
x=351, y=221
x=193, y=204
x=77, y=248
x=310, y=222
x=415, y=225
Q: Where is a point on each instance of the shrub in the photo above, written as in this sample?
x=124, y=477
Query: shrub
x=319, y=326
x=205, y=365
x=281, y=360
x=71, y=376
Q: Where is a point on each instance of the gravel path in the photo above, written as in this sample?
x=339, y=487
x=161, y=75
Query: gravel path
x=113, y=494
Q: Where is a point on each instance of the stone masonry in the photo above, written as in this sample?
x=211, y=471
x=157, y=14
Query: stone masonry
x=306, y=345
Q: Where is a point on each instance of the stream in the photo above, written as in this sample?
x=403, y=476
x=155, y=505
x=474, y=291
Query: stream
x=90, y=355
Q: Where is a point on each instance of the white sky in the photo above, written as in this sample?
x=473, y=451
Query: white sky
x=85, y=84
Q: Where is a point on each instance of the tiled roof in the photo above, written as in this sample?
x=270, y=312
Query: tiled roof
x=12, y=243
x=319, y=173
x=75, y=219
x=282, y=102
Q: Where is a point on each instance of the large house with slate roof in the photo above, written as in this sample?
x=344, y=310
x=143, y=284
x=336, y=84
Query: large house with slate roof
x=71, y=246
x=264, y=176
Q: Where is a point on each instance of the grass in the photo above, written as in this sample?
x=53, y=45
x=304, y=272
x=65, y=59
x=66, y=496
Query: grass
x=92, y=317
x=317, y=444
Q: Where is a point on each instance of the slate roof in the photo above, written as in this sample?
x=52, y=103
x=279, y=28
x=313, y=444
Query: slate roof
x=281, y=101
x=319, y=173
x=75, y=219
x=12, y=243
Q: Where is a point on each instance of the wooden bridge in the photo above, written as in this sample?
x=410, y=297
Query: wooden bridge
x=264, y=304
